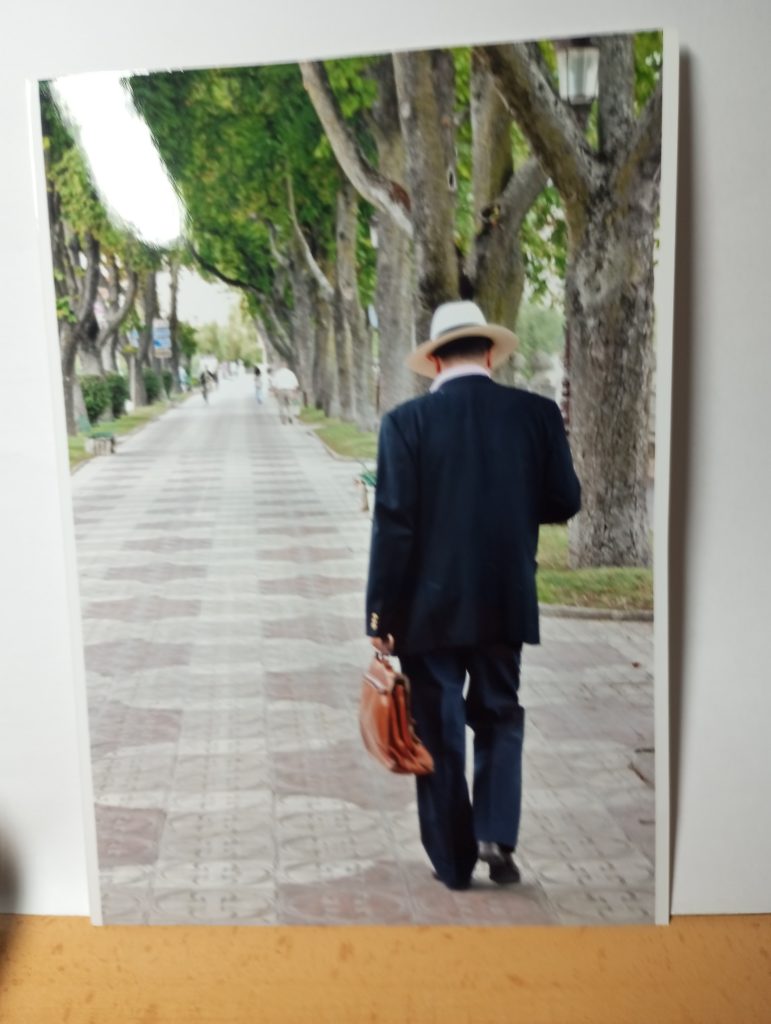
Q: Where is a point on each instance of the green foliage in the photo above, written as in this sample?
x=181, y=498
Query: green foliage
x=96, y=396
x=231, y=138
x=236, y=340
x=119, y=392
x=187, y=340
x=465, y=227
x=648, y=58
x=539, y=329
x=153, y=385
x=354, y=88
x=544, y=247
x=168, y=382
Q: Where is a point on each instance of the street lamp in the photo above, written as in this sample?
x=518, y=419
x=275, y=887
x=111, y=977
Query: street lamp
x=578, y=63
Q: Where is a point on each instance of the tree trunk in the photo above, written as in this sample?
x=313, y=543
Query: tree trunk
x=345, y=270
x=325, y=368
x=173, y=321
x=303, y=335
x=609, y=310
x=90, y=351
x=357, y=375
x=149, y=311
x=424, y=85
x=68, y=351
x=394, y=302
x=394, y=288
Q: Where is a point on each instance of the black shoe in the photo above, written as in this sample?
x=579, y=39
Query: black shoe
x=455, y=888
x=503, y=870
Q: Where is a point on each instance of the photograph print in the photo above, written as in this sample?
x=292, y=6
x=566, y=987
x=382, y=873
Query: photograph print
x=358, y=358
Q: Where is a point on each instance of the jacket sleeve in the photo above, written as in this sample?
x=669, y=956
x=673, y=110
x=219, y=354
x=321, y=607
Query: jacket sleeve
x=394, y=525
x=561, y=496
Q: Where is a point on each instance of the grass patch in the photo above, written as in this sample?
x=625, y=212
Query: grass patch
x=343, y=438
x=123, y=425
x=77, y=447
x=620, y=589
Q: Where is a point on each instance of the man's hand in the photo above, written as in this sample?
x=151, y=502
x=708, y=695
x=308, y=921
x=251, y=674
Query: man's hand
x=384, y=645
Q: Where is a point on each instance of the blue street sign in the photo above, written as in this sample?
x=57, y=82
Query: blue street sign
x=161, y=335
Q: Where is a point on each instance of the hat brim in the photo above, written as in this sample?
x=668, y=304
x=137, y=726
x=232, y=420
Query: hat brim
x=504, y=341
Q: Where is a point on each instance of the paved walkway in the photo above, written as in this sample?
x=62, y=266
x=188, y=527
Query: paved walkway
x=222, y=560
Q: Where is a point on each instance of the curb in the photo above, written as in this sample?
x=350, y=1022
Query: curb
x=566, y=611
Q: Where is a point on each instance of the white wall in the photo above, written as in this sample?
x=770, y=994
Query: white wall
x=720, y=477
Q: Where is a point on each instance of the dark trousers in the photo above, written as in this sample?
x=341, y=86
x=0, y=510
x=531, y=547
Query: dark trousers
x=450, y=823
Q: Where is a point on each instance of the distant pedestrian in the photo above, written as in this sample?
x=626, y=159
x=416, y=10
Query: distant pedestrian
x=286, y=388
x=258, y=384
x=205, y=385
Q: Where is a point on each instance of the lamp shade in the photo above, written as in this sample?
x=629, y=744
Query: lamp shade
x=578, y=63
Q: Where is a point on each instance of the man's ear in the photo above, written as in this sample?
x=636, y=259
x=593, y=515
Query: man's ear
x=437, y=364
x=489, y=359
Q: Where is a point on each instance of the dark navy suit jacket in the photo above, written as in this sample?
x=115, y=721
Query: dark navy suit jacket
x=465, y=475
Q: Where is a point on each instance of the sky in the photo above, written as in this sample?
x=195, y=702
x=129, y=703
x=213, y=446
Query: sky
x=132, y=181
x=125, y=165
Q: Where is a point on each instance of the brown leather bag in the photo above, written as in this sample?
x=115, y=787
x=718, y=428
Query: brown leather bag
x=386, y=722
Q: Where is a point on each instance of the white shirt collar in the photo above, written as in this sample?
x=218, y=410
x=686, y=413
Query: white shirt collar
x=460, y=370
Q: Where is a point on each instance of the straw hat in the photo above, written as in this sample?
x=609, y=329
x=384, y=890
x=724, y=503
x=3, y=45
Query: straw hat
x=461, y=320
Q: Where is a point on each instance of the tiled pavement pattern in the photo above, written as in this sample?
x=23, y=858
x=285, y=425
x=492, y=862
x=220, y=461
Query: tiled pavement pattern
x=222, y=560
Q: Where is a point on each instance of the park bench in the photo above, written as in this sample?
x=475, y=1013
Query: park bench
x=366, y=481
x=100, y=442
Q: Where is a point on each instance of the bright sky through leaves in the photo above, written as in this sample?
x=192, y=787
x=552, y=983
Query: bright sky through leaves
x=124, y=163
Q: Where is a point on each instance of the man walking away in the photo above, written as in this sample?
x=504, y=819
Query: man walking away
x=465, y=476
x=286, y=387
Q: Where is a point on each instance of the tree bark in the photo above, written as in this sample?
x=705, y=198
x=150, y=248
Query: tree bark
x=303, y=336
x=173, y=320
x=149, y=312
x=394, y=287
x=609, y=307
x=424, y=87
x=325, y=366
x=357, y=347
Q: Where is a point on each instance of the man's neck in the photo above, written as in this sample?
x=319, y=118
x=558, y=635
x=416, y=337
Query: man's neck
x=462, y=368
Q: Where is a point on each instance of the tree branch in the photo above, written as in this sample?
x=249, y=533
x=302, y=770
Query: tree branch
x=284, y=262
x=547, y=122
x=317, y=273
x=210, y=268
x=388, y=196
x=616, y=92
x=643, y=151
x=122, y=311
x=522, y=190
x=282, y=344
x=91, y=282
